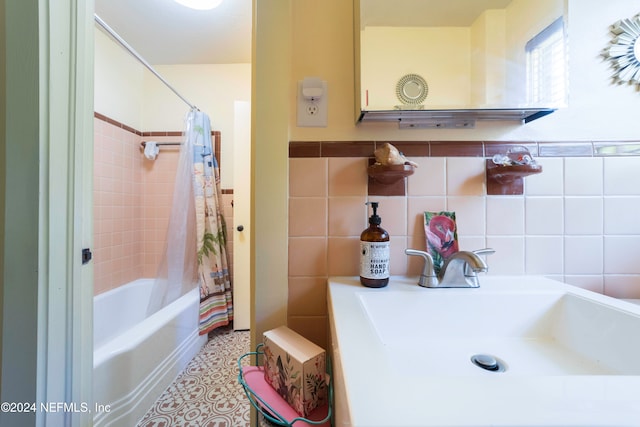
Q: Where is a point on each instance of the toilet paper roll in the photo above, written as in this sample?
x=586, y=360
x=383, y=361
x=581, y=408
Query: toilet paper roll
x=151, y=150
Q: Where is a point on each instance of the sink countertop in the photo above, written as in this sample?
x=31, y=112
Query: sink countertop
x=381, y=394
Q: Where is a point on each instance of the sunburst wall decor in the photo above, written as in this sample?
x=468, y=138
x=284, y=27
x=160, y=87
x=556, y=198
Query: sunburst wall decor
x=623, y=51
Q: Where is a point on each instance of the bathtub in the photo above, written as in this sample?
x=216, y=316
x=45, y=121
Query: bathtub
x=136, y=357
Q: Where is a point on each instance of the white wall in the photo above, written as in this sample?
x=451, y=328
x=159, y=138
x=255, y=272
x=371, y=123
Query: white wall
x=597, y=109
x=119, y=82
x=388, y=53
x=487, y=66
x=127, y=92
x=213, y=88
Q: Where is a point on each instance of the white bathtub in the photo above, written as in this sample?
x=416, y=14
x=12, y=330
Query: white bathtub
x=136, y=357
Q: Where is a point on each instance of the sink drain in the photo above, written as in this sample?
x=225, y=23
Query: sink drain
x=488, y=362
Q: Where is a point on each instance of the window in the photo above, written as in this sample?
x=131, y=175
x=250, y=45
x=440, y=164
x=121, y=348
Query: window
x=546, y=66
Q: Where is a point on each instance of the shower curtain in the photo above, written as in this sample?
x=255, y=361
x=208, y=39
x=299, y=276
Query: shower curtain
x=216, y=306
x=195, y=252
x=177, y=270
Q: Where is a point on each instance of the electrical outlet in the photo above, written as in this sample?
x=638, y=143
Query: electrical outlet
x=312, y=109
x=312, y=112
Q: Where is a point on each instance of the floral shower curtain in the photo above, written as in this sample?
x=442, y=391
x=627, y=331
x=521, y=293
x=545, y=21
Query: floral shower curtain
x=216, y=306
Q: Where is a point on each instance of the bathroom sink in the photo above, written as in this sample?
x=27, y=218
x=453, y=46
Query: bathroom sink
x=405, y=355
x=532, y=332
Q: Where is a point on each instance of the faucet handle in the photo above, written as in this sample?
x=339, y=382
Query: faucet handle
x=416, y=252
x=485, y=251
x=427, y=277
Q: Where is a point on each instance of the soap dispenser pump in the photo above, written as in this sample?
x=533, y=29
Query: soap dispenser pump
x=374, y=253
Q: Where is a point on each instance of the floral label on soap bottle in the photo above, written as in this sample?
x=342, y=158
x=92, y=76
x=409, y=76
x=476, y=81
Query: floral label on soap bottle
x=374, y=260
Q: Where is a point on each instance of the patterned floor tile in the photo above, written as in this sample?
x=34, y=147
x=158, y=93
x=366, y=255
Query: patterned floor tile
x=206, y=393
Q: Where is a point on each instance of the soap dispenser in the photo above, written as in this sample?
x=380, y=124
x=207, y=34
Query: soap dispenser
x=374, y=253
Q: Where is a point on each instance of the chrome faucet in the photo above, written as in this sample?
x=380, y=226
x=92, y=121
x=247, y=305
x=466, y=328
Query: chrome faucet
x=428, y=277
x=459, y=270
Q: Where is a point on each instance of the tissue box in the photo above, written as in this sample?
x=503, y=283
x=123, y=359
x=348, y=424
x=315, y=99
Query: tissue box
x=295, y=368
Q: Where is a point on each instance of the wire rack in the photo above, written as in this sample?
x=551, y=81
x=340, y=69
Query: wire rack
x=268, y=402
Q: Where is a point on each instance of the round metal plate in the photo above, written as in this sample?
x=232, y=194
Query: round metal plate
x=412, y=89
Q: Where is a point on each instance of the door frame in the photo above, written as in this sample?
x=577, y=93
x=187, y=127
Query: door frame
x=242, y=216
x=49, y=57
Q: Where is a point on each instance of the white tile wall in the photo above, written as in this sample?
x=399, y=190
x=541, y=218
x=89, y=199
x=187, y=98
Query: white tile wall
x=621, y=254
x=548, y=183
x=543, y=255
x=583, y=255
x=428, y=178
x=509, y=256
x=501, y=207
x=465, y=176
x=416, y=205
x=544, y=215
x=621, y=176
x=583, y=176
x=583, y=215
x=578, y=220
x=470, y=214
x=621, y=215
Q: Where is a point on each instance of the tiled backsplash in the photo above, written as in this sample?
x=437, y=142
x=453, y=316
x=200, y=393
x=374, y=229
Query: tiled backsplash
x=132, y=203
x=577, y=221
x=118, y=226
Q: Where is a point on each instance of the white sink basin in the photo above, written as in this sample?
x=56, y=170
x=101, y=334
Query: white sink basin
x=402, y=355
x=532, y=332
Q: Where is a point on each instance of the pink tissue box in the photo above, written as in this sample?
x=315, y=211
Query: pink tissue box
x=295, y=368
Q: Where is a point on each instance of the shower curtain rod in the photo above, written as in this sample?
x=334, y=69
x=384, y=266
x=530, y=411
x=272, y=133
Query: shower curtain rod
x=132, y=51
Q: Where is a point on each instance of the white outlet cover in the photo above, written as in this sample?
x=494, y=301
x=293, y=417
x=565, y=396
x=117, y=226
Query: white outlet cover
x=312, y=113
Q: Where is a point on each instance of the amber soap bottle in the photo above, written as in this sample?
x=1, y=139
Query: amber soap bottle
x=374, y=253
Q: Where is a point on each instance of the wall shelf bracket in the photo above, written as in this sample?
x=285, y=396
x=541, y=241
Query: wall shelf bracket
x=508, y=180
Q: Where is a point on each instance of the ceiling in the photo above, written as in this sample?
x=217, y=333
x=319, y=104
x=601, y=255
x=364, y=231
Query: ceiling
x=164, y=32
x=425, y=13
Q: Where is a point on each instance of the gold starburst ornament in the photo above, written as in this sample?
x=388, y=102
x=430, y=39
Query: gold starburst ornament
x=623, y=51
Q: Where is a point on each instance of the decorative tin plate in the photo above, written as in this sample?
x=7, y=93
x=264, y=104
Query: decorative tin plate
x=412, y=89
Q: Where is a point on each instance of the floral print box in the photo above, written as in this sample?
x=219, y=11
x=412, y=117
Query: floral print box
x=295, y=368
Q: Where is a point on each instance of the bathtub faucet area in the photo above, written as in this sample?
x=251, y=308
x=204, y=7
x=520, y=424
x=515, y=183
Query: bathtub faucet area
x=459, y=271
